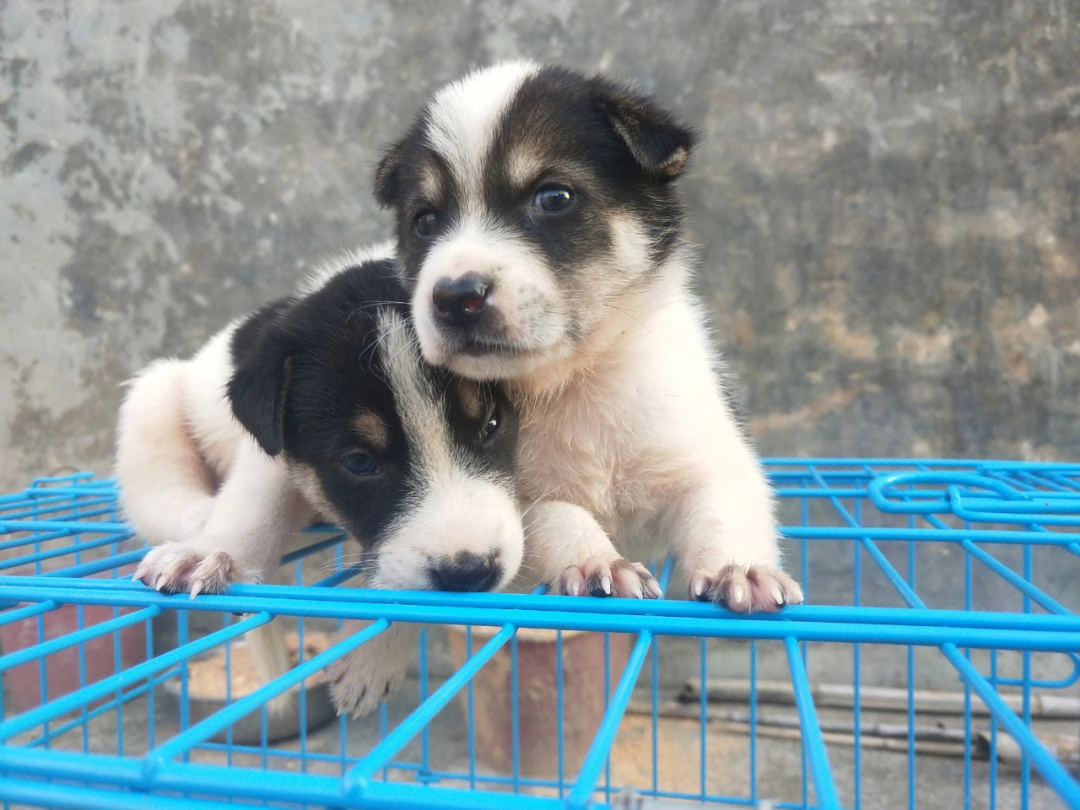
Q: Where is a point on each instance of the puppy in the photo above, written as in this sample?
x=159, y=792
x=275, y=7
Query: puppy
x=541, y=239
x=320, y=406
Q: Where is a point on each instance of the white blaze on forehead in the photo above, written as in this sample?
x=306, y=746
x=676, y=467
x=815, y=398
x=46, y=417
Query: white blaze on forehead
x=454, y=508
x=419, y=406
x=463, y=116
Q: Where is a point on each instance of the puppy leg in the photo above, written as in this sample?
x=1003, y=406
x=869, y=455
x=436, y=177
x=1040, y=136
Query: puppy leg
x=167, y=489
x=367, y=675
x=566, y=547
x=253, y=515
x=727, y=534
x=270, y=658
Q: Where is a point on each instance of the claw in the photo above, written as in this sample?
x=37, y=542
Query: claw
x=699, y=583
x=738, y=594
x=777, y=594
x=573, y=581
x=140, y=569
x=652, y=588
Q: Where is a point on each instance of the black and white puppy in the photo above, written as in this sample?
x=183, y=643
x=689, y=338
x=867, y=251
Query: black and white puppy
x=541, y=238
x=336, y=416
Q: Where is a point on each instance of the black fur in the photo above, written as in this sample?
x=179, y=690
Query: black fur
x=250, y=332
x=299, y=387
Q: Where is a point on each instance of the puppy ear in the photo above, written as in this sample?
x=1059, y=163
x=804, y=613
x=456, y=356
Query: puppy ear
x=258, y=389
x=659, y=144
x=386, y=175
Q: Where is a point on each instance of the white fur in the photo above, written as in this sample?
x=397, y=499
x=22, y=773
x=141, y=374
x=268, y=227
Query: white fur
x=464, y=114
x=523, y=291
x=634, y=425
x=457, y=508
x=420, y=411
x=465, y=514
x=634, y=431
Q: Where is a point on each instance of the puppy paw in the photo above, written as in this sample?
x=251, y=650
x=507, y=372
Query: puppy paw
x=600, y=577
x=368, y=675
x=178, y=567
x=746, y=589
x=355, y=694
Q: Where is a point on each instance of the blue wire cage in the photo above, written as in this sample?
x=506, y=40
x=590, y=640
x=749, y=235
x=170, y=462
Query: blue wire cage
x=935, y=664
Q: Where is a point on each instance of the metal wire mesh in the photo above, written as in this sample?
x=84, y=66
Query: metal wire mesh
x=935, y=664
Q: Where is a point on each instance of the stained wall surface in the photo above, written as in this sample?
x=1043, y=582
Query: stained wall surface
x=886, y=195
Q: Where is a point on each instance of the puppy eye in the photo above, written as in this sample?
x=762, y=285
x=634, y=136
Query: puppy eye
x=491, y=426
x=425, y=223
x=360, y=464
x=552, y=199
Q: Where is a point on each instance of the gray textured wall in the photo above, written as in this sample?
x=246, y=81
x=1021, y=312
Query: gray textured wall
x=886, y=194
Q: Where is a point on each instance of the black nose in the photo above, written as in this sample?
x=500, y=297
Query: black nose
x=466, y=572
x=460, y=301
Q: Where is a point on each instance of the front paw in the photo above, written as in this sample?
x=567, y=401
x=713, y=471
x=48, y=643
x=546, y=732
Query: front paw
x=369, y=674
x=180, y=567
x=745, y=589
x=600, y=577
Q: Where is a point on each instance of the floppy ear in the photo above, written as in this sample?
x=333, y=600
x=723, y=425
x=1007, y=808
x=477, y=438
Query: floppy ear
x=386, y=175
x=659, y=144
x=258, y=388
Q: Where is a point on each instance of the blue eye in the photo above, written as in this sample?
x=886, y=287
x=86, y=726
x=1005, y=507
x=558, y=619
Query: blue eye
x=360, y=464
x=553, y=199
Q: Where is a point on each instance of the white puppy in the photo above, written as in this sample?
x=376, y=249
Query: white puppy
x=540, y=235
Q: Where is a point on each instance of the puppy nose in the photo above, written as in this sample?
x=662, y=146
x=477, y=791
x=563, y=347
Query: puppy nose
x=460, y=301
x=466, y=572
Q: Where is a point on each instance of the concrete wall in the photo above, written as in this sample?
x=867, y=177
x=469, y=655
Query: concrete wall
x=887, y=195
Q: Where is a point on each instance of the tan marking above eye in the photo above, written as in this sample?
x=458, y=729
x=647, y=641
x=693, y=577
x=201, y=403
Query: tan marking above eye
x=528, y=166
x=472, y=399
x=431, y=182
x=372, y=429
x=523, y=166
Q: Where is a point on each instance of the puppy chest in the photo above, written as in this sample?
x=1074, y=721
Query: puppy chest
x=558, y=465
x=615, y=454
x=579, y=453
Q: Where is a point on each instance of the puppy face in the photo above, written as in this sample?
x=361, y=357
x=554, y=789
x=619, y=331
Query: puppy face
x=411, y=461
x=528, y=199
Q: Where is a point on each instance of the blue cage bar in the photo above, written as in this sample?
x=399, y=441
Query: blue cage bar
x=935, y=664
